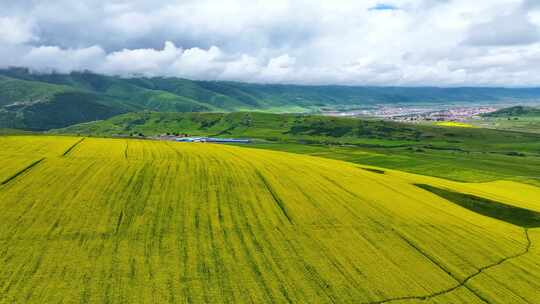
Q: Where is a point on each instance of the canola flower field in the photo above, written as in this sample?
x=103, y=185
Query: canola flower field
x=90, y=220
x=455, y=124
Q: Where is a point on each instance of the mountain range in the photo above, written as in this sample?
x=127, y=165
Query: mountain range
x=43, y=101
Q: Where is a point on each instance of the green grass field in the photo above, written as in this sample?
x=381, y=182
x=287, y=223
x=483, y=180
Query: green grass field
x=90, y=220
x=516, y=118
x=521, y=124
x=458, y=165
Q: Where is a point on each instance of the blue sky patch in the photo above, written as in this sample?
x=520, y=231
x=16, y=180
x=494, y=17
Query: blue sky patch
x=383, y=7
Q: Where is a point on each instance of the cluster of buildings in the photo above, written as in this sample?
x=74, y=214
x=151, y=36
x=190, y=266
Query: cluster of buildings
x=188, y=138
x=418, y=113
x=455, y=114
x=213, y=140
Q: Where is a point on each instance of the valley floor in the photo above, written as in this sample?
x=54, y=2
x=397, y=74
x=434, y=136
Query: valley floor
x=93, y=220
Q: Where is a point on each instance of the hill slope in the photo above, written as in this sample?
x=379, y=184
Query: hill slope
x=183, y=95
x=309, y=128
x=517, y=111
x=104, y=220
x=35, y=105
x=518, y=118
x=262, y=125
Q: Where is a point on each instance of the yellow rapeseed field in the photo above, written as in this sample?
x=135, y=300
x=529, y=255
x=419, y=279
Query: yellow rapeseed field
x=455, y=124
x=131, y=221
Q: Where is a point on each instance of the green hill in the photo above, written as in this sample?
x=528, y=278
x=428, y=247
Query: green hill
x=45, y=101
x=35, y=105
x=262, y=125
x=517, y=111
x=16, y=91
x=518, y=118
x=90, y=220
x=305, y=128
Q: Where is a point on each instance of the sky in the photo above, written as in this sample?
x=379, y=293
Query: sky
x=356, y=42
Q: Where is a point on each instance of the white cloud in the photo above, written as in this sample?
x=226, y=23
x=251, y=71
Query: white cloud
x=280, y=67
x=421, y=42
x=511, y=29
x=62, y=60
x=145, y=61
x=15, y=31
x=197, y=63
x=246, y=67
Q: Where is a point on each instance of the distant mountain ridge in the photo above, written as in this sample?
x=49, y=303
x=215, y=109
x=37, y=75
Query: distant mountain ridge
x=38, y=101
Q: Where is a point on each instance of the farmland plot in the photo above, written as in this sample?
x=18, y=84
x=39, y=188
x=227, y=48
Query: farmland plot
x=153, y=222
x=35, y=146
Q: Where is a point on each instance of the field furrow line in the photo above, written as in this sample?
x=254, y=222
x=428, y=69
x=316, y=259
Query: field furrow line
x=22, y=171
x=517, y=255
x=218, y=260
x=179, y=155
x=272, y=256
x=268, y=260
x=347, y=276
x=435, y=262
x=365, y=203
x=461, y=283
x=73, y=147
x=248, y=253
x=275, y=197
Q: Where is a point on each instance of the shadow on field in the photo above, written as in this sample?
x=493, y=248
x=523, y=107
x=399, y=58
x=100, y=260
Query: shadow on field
x=511, y=214
x=373, y=170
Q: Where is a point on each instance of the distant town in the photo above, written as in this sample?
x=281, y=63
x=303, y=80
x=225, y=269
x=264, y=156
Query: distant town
x=184, y=137
x=454, y=114
x=419, y=114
